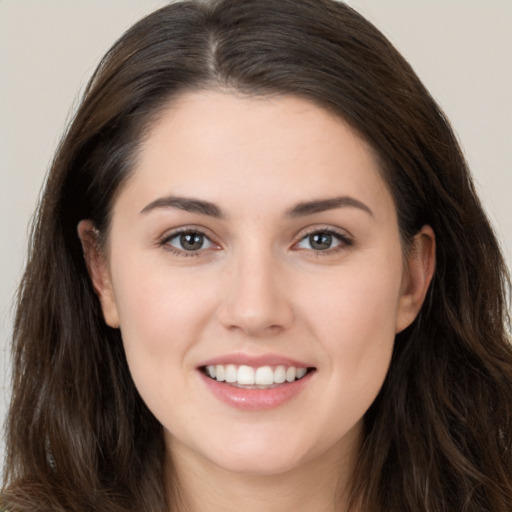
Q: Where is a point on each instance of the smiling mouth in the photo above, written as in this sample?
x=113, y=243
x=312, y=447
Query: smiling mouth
x=247, y=377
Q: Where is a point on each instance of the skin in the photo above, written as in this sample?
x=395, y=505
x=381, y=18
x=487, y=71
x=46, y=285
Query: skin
x=258, y=288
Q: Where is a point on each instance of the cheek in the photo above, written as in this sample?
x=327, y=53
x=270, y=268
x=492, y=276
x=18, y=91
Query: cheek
x=160, y=320
x=154, y=304
x=355, y=322
x=161, y=314
x=356, y=304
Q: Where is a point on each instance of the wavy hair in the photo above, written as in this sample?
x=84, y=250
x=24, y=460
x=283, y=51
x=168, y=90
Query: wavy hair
x=438, y=438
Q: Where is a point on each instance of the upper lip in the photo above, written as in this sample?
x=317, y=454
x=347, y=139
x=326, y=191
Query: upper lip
x=255, y=361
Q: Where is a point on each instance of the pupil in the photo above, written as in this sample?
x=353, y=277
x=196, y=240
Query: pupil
x=191, y=241
x=320, y=241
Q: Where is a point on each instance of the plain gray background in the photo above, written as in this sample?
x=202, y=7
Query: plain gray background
x=461, y=49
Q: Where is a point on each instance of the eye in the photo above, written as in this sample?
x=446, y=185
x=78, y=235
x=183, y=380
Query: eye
x=189, y=241
x=323, y=241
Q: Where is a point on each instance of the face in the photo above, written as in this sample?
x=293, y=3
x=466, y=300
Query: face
x=255, y=269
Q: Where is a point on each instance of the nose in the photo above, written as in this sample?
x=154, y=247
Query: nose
x=256, y=297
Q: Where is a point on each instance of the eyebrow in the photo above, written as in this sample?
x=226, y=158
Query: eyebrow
x=322, y=205
x=209, y=209
x=185, y=203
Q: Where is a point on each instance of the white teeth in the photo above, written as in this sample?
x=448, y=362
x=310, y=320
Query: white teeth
x=301, y=372
x=262, y=376
x=279, y=374
x=245, y=375
x=231, y=373
x=291, y=373
x=220, y=373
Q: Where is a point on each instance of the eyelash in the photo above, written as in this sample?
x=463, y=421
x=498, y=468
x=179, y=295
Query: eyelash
x=342, y=238
x=166, y=239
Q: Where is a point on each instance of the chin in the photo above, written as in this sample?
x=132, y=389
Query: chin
x=258, y=464
x=252, y=453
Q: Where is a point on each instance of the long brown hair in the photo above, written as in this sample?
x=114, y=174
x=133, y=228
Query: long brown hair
x=438, y=438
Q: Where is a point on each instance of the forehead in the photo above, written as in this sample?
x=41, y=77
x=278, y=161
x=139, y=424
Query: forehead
x=221, y=146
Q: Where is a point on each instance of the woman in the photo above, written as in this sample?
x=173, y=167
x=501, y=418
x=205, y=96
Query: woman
x=260, y=277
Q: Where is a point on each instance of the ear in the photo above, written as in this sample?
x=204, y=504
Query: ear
x=98, y=271
x=420, y=265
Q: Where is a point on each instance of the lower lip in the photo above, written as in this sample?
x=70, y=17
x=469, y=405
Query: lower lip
x=256, y=399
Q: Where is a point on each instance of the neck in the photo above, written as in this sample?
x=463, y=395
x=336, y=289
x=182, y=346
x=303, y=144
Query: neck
x=319, y=485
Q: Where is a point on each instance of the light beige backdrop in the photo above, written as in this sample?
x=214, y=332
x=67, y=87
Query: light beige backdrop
x=462, y=49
